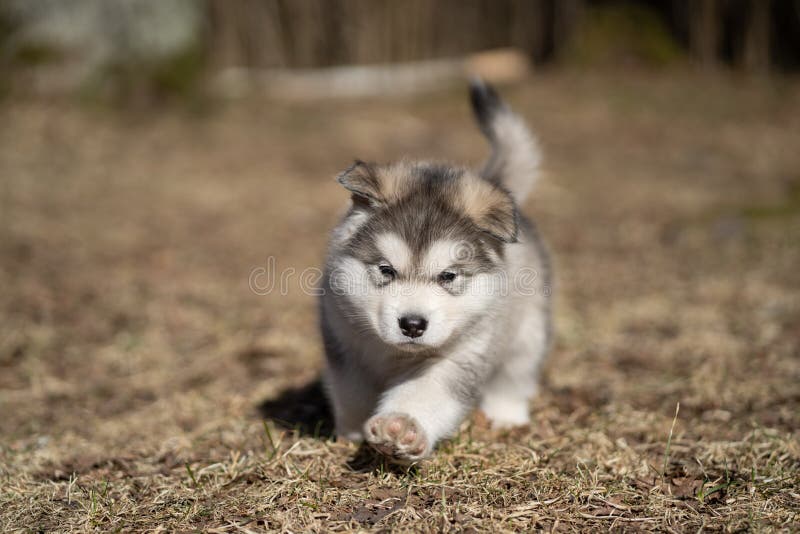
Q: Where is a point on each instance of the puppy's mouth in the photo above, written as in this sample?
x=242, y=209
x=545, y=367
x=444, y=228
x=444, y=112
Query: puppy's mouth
x=412, y=346
x=419, y=349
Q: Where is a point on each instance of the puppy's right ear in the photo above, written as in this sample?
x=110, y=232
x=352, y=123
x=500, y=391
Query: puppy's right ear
x=361, y=179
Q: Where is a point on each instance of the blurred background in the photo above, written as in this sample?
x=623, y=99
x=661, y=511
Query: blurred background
x=147, y=48
x=155, y=154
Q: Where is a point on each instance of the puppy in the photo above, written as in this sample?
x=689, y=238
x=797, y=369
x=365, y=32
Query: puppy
x=435, y=295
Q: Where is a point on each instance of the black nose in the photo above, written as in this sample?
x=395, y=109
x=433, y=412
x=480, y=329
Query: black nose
x=413, y=325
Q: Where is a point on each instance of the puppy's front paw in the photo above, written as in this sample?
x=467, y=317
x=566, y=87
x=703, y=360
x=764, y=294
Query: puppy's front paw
x=397, y=436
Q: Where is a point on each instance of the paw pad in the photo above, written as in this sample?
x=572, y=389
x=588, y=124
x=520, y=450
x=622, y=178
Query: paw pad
x=397, y=436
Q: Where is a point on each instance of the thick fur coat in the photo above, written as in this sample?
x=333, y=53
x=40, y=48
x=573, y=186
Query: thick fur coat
x=436, y=294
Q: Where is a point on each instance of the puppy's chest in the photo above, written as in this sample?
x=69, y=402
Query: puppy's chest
x=388, y=367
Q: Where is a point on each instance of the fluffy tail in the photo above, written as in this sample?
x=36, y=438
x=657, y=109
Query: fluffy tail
x=515, y=158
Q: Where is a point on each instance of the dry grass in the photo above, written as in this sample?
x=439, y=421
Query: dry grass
x=136, y=364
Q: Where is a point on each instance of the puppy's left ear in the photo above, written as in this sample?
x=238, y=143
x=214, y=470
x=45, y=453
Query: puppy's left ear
x=500, y=220
x=491, y=209
x=361, y=179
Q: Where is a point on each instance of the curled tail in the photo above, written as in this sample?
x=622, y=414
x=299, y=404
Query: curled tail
x=515, y=158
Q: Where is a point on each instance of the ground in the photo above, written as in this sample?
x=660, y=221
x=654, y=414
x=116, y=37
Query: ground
x=142, y=347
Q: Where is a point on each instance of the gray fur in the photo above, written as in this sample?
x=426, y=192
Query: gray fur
x=448, y=245
x=515, y=155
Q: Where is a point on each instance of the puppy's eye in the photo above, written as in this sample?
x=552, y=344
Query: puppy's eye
x=445, y=277
x=388, y=271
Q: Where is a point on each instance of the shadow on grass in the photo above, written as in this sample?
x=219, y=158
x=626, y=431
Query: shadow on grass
x=304, y=409
x=368, y=460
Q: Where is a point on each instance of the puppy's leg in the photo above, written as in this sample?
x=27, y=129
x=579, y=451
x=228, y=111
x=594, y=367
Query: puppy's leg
x=505, y=397
x=415, y=414
x=352, y=399
x=515, y=381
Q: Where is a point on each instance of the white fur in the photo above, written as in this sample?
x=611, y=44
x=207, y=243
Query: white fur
x=395, y=250
x=516, y=155
x=381, y=374
x=441, y=255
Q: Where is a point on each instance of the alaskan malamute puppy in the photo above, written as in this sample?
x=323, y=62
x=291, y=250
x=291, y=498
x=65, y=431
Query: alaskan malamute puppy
x=436, y=294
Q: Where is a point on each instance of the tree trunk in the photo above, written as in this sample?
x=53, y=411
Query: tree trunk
x=755, y=48
x=704, y=18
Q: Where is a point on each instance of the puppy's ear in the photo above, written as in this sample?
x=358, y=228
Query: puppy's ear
x=490, y=208
x=500, y=220
x=361, y=179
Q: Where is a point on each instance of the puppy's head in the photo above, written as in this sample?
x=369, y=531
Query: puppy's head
x=421, y=251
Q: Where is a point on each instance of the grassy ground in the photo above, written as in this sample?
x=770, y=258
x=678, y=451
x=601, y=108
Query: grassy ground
x=137, y=366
